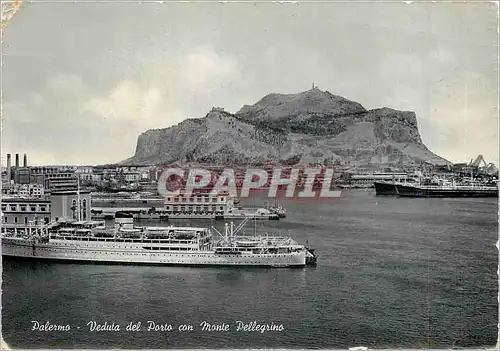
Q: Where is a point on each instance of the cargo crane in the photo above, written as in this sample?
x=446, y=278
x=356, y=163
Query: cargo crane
x=480, y=164
x=479, y=159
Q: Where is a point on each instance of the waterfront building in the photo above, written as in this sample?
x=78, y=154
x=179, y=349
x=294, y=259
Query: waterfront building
x=29, y=190
x=54, y=178
x=131, y=176
x=19, y=213
x=64, y=204
x=52, y=169
x=85, y=173
x=22, y=175
x=201, y=203
x=6, y=183
x=62, y=184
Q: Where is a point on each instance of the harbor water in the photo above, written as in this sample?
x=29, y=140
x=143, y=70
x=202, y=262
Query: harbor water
x=392, y=272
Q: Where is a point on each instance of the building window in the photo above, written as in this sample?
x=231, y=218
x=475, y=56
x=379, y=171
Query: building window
x=13, y=208
x=33, y=208
x=23, y=208
x=25, y=220
x=15, y=219
x=73, y=208
x=84, y=209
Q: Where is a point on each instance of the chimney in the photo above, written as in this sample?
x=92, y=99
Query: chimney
x=25, y=161
x=17, y=160
x=9, y=171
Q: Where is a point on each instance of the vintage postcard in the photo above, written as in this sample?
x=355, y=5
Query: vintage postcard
x=249, y=175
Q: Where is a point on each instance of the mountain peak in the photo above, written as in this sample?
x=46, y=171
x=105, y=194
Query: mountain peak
x=313, y=101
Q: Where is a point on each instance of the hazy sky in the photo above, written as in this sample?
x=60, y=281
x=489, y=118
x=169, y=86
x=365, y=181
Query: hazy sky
x=82, y=80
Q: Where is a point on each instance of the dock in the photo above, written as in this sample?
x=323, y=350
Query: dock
x=99, y=213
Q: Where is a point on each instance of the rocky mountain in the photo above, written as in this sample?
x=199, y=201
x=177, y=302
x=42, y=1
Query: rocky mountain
x=310, y=127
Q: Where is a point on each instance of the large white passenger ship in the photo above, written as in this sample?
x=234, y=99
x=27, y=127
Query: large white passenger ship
x=91, y=241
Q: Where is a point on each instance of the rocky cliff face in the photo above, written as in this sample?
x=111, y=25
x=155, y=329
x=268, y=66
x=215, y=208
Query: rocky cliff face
x=310, y=127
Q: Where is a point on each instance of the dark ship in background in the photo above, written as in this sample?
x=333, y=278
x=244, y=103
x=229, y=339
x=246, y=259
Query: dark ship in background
x=482, y=182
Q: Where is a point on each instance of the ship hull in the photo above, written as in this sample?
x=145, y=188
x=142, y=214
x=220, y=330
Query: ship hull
x=136, y=255
x=413, y=191
x=385, y=189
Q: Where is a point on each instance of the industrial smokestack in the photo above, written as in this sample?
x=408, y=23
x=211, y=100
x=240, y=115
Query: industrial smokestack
x=25, y=161
x=17, y=160
x=9, y=166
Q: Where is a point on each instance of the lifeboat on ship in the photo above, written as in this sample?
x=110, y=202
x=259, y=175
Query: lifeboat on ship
x=247, y=243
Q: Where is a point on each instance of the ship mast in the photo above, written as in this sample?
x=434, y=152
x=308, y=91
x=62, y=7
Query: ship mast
x=232, y=232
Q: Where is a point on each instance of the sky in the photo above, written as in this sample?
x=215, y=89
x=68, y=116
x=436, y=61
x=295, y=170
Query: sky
x=81, y=81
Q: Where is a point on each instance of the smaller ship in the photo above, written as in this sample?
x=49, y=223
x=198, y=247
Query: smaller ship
x=277, y=209
x=280, y=211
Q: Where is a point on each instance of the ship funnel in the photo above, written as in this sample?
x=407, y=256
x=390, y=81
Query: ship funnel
x=123, y=220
